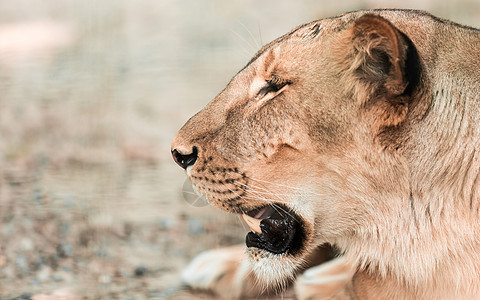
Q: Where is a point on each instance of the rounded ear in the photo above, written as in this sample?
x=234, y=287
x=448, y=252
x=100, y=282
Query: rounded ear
x=372, y=56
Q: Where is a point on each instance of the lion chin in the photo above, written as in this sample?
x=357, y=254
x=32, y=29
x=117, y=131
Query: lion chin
x=272, y=270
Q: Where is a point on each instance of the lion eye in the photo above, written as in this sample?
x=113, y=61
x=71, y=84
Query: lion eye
x=272, y=88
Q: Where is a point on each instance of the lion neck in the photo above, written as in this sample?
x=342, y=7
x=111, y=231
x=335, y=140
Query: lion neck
x=430, y=245
x=433, y=247
x=442, y=152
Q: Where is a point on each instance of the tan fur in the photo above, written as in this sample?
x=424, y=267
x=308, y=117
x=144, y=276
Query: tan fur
x=373, y=139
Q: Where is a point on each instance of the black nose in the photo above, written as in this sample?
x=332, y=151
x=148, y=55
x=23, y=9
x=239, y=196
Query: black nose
x=185, y=160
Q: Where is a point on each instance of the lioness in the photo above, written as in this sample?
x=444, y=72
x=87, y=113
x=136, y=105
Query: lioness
x=360, y=132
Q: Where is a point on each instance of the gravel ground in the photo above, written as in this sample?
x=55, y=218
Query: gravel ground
x=53, y=244
x=91, y=94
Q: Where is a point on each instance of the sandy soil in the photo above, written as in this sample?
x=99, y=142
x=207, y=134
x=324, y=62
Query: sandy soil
x=91, y=94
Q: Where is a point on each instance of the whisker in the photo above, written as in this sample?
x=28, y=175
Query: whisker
x=255, y=196
x=244, y=226
x=271, y=202
x=251, y=35
x=260, y=34
x=193, y=203
x=190, y=193
x=275, y=183
x=244, y=49
x=282, y=209
x=260, y=196
x=276, y=207
x=283, y=185
x=265, y=191
x=249, y=197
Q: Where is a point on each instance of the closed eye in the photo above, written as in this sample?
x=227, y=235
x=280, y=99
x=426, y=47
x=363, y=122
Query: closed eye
x=273, y=87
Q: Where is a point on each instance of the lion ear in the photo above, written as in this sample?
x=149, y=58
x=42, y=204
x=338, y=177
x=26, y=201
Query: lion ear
x=372, y=55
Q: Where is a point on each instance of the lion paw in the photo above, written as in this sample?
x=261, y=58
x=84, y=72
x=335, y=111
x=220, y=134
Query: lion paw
x=223, y=271
x=324, y=281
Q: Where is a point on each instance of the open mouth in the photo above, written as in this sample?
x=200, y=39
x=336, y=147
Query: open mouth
x=275, y=228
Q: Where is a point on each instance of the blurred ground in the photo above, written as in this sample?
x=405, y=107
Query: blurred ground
x=91, y=94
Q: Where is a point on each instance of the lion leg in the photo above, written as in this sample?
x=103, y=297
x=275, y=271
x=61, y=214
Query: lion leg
x=325, y=281
x=225, y=272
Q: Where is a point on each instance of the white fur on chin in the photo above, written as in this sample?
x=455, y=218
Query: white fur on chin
x=274, y=271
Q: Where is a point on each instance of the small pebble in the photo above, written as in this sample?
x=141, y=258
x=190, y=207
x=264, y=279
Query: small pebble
x=38, y=196
x=67, y=268
x=195, y=227
x=64, y=250
x=140, y=271
x=44, y=273
x=127, y=229
x=57, y=277
x=8, y=229
x=26, y=296
x=21, y=262
x=164, y=294
x=65, y=228
x=100, y=252
x=105, y=279
x=22, y=265
x=41, y=261
x=34, y=281
x=164, y=223
x=155, y=295
x=26, y=244
x=53, y=261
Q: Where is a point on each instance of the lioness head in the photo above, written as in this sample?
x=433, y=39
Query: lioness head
x=300, y=139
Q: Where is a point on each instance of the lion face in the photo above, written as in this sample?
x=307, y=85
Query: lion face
x=291, y=141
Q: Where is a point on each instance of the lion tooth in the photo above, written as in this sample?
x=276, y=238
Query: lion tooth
x=253, y=223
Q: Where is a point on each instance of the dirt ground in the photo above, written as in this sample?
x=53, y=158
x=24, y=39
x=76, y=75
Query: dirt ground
x=91, y=94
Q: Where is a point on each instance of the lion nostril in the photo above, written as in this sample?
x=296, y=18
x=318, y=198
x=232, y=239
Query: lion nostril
x=185, y=160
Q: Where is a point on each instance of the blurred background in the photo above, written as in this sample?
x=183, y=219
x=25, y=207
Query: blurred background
x=91, y=95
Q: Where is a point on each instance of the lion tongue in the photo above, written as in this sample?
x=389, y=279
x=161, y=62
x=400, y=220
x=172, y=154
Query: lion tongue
x=254, y=222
